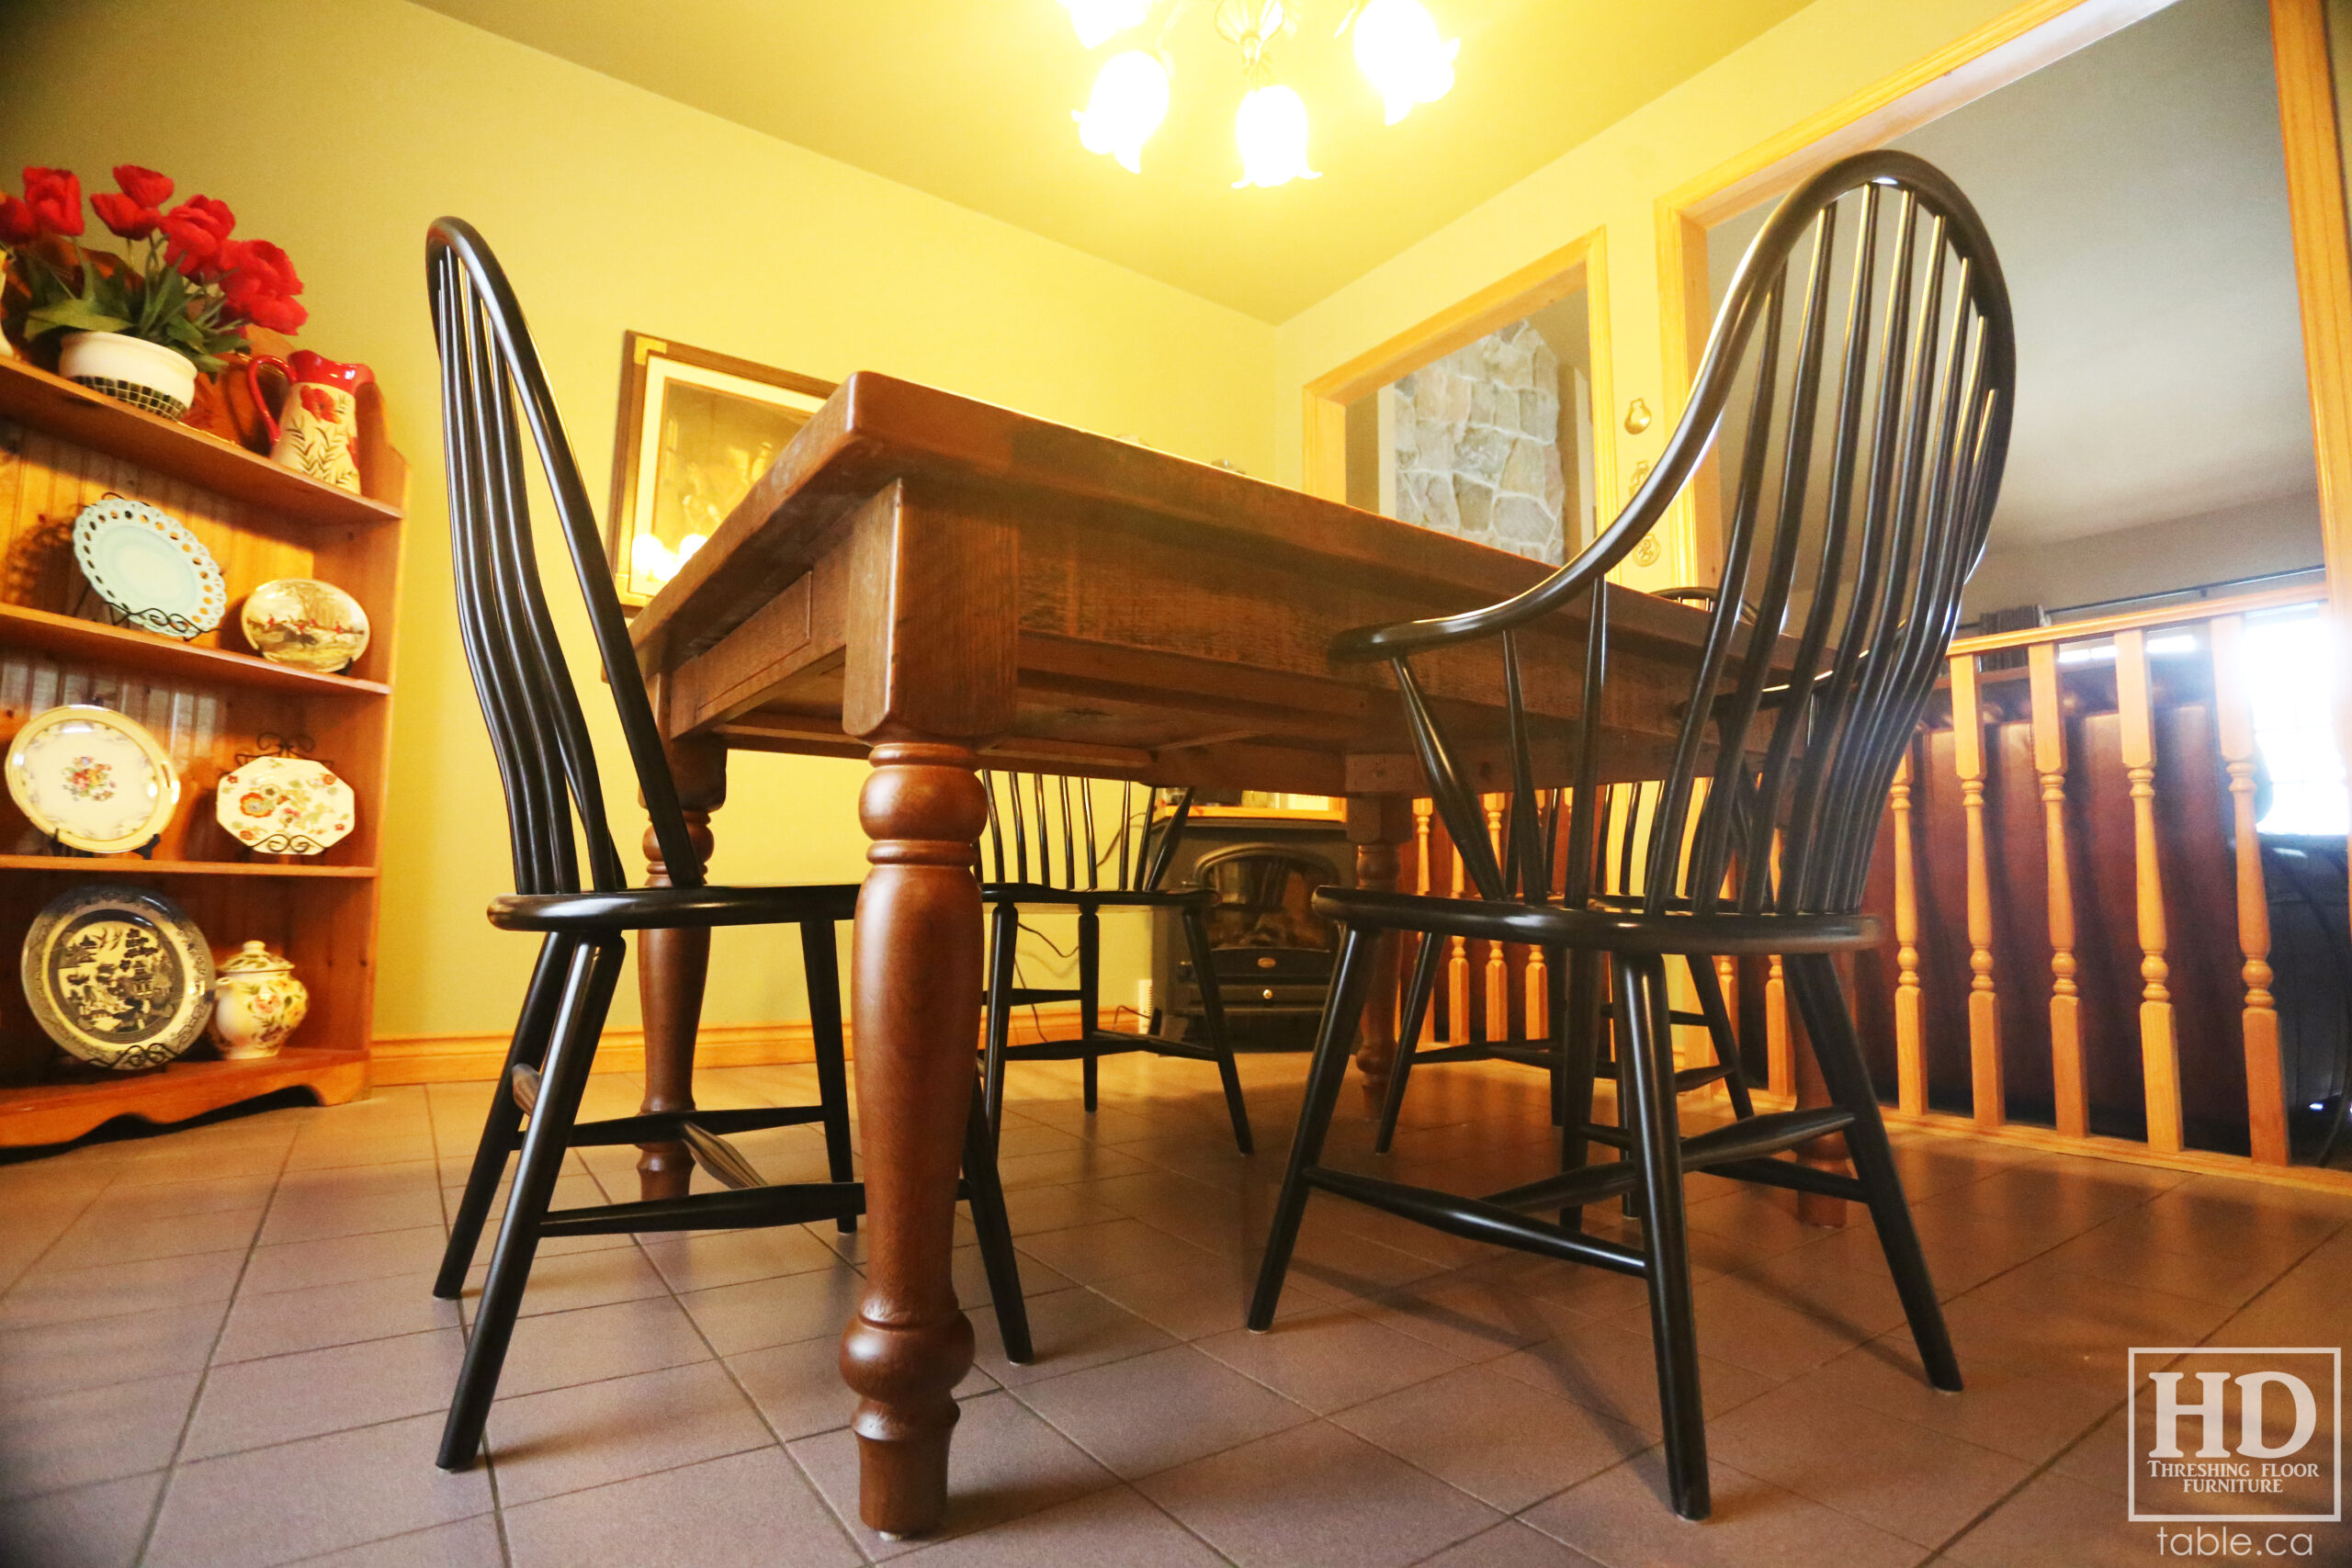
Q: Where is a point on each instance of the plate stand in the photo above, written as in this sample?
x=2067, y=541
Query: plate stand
x=53, y=845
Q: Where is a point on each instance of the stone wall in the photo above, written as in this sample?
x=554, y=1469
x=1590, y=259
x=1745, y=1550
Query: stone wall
x=1477, y=444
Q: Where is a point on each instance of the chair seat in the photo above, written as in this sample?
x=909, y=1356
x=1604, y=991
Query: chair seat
x=1038, y=892
x=657, y=909
x=1610, y=931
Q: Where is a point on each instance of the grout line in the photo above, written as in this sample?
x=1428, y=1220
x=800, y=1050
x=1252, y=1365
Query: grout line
x=465, y=1329
x=204, y=1376
x=728, y=1371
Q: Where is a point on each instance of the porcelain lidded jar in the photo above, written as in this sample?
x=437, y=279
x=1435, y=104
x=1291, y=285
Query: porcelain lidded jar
x=256, y=1003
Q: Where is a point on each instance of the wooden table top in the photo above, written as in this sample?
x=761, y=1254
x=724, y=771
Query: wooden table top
x=1173, y=616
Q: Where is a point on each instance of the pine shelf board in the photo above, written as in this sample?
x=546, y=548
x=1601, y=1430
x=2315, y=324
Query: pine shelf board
x=55, y=1113
x=33, y=396
x=132, y=865
x=23, y=626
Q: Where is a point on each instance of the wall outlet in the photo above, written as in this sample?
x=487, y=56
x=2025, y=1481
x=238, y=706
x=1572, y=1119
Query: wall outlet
x=1143, y=999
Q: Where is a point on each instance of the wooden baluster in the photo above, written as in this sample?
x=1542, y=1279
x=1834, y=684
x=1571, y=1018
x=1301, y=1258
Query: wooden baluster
x=1779, y=1045
x=2159, y=1052
x=2265, y=1099
x=1910, y=1039
x=1983, y=1005
x=1457, y=969
x=2050, y=767
x=1423, y=882
x=1497, y=970
x=1539, y=1017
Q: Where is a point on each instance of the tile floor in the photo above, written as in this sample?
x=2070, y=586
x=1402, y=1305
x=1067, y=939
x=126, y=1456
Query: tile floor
x=216, y=1346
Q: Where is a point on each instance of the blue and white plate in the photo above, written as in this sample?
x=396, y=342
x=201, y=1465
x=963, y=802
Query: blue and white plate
x=149, y=567
x=118, y=976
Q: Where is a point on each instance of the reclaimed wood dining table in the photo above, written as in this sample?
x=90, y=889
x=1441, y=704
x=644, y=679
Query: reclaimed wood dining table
x=937, y=584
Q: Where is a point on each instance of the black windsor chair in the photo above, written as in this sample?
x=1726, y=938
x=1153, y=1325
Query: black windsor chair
x=1622, y=808
x=1058, y=859
x=555, y=807
x=1868, y=562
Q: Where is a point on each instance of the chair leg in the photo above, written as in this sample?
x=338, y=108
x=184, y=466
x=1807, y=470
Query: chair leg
x=1821, y=1000
x=1408, y=1036
x=1196, y=941
x=1579, y=1035
x=587, y=995
x=1720, y=1032
x=1089, y=999
x=501, y=1131
x=1005, y=951
x=1341, y=1011
x=818, y=957
x=995, y=1228
x=1645, y=1084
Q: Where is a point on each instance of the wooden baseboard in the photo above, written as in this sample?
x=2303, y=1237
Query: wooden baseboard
x=2020, y=1134
x=476, y=1059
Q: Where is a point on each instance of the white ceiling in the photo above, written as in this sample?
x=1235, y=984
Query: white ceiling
x=2136, y=194
x=971, y=99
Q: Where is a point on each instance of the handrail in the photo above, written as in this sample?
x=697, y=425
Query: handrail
x=2139, y=620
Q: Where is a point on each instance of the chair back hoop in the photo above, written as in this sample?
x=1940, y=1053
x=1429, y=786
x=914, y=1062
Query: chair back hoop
x=1044, y=832
x=1867, y=345
x=546, y=761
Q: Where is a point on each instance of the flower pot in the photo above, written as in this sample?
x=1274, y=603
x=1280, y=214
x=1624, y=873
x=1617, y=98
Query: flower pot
x=128, y=369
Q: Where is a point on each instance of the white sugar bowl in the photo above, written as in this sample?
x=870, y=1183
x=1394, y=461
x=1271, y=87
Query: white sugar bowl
x=256, y=1003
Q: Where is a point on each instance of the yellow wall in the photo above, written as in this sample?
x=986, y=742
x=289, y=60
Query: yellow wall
x=340, y=129
x=615, y=208
x=1816, y=58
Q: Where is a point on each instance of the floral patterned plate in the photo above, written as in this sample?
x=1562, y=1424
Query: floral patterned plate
x=286, y=805
x=118, y=975
x=91, y=778
x=149, y=567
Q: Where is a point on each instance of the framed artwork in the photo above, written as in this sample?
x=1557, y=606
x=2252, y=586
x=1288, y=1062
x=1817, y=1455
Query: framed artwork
x=696, y=429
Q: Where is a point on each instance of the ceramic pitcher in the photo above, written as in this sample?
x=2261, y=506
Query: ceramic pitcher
x=316, y=431
x=256, y=1003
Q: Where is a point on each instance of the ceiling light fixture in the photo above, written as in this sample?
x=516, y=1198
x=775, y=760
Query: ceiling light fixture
x=1396, y=47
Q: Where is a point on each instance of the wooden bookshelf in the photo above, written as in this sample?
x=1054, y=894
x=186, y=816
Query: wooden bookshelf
x=211, y=702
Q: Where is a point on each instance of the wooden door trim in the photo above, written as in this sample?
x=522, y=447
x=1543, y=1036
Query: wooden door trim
x=1580, y=264
x=2012, y=45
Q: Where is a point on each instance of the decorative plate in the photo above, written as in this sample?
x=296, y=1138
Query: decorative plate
x=308, y=624
x=118, y=976
x=286, y=805
x=149, y=568
x=91, y=778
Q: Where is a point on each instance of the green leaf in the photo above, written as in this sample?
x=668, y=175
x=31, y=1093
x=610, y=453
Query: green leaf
x=74, y=315
x=163, y=298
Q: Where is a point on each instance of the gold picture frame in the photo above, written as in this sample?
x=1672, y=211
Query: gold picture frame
x=696, y=429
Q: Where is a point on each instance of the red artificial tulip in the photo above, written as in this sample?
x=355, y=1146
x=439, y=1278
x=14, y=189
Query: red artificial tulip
x=274, y=312
x=258, y=265
x=196, y=230
x=55, y=196
x=261, y=285
x=144, y=186
x=125, y=216
x=18, y=225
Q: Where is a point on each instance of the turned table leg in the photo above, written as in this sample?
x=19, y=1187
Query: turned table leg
x=672, y=967
x=931, y=672
x=917, y=975
x=1379, y=826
